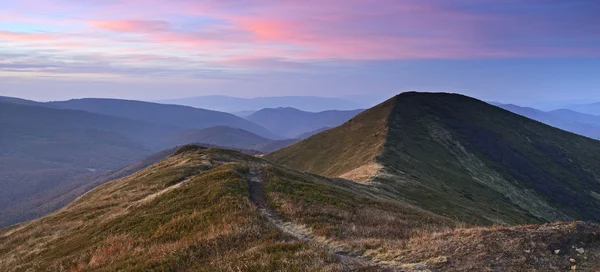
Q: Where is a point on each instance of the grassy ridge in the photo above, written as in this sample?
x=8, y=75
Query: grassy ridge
x=192, y=212
x=341, y=150
x=180, y=214
x=461, y=158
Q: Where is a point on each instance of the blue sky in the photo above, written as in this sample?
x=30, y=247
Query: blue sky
x=521, y=52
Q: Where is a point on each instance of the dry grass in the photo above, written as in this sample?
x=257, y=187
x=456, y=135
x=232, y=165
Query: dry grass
x=197, y=216
x=363, y=173
x=343, y=149
x=153, y=220
x=410, y=239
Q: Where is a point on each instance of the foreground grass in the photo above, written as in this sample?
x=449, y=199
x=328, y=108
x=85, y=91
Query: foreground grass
x=140, y=223
x=192, y=212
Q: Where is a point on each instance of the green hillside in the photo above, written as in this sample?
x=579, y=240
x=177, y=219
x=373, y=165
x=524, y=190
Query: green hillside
x=460, y=157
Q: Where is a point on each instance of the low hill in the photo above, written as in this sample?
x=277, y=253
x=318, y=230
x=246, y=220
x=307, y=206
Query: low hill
x=275, y=145
x=583, y=124
x=460, y=157
x=222, y=136
x=219, y=135
x=293, y=123
x=311, y=133
x=213, y=209
x=14, y=100
x=181, y=117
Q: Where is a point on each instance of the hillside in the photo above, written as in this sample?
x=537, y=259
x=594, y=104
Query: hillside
x=460, y=157
x=212, y=209
x=222, y=136
x=293, y=123
x=583, y=124
x=181, y=117
x=311, y=133
x=14, y=100
x=46, y=151
x=219, y=135
x=275, y=145
x=72, y=186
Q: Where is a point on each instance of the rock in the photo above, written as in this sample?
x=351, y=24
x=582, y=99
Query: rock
x=580, y=250
x=572, y=260
x=527, y=251
x=556, y=252
x=574, y=267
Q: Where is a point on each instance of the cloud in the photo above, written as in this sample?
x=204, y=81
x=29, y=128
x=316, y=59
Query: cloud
x=133, y=25
x=293, y=36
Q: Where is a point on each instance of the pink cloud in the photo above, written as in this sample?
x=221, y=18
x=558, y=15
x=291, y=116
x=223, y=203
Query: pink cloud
x=26, y=37
x=280, y=34
x=133, y=25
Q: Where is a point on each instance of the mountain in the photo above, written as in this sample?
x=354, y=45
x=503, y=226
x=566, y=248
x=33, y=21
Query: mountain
x=274, y=145
x=212, y=209
x=47, y=151
x=579, y=123
x=14, y=100
x=593, y=108
x=180, y=117
x=236, y=104
x=243, y=114
x=226, y=137
x=311, y=133
x=292, y=123
x=460, y=157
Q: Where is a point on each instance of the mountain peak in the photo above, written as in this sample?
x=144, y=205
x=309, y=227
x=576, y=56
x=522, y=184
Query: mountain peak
x=445, y=152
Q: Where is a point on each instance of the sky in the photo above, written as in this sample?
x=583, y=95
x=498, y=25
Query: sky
x=515, y=51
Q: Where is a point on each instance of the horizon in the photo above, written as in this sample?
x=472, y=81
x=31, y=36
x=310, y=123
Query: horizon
x=519, y=52
x=537, y=105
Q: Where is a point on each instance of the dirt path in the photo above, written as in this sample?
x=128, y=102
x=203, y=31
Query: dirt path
x=352, y=260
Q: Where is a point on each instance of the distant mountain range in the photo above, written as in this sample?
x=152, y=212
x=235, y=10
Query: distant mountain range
x=50, y=149
x=180, y=117
x=583, y=124
x=294, y=123
x=593, y=108
x=236, y=104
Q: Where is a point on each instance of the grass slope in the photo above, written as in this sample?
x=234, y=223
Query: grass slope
x=463, y=158
x=192, y=212
x=293, y=123
x=348, y=150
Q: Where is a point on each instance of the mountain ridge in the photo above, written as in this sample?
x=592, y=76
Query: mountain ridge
x=210, y=209
x=183, y=117
x=433, y=151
